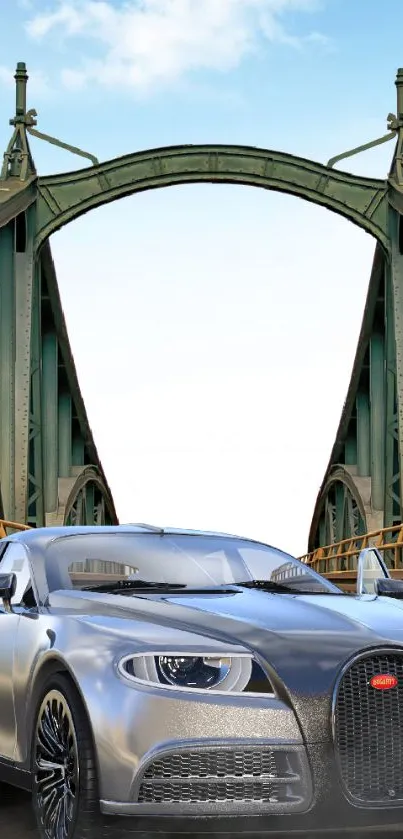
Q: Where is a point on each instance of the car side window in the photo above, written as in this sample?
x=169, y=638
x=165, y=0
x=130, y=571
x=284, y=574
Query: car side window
x=14, y=560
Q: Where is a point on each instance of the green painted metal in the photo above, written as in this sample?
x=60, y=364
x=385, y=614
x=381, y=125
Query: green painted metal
x=396, y=277
x=393, y=125
x=373, y=409
x=392, y=511
x=350, y=456
x=41, y=407
x=50, y=448
x=342, y=513
x=7, y=368
x=63, y=198
x=65, y=434
x=88, y=503
x=18, y=161
x=23, y=281
x=78, y=456
x=50, y=418
x=377, y=402
x=35, y=504
x=341, y=510
x=66, y=146
x=340, y=502
x=363, y=435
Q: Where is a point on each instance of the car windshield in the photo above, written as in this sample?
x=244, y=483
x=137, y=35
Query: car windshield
x=193, y=561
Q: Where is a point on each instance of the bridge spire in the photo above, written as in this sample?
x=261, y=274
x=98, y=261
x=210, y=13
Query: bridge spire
x=18, y=162
x=21, y=78
x=397, y=166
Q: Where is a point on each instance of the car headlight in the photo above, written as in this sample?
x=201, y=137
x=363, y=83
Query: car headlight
x=203, y=672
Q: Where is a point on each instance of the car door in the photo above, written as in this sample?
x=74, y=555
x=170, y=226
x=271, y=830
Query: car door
x=13, y=559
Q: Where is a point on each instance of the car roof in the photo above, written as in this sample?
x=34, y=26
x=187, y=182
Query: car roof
x=48, y=534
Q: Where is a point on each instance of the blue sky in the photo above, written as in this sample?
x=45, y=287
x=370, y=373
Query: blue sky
x=214, y=327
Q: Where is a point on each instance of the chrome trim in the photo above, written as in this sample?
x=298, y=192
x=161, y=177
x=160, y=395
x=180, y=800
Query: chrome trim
x=351, y=661
x=190, y=691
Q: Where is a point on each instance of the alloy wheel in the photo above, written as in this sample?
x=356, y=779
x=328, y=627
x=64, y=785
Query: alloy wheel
x=56, y=767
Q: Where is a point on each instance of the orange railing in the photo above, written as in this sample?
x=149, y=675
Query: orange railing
x=6, y=526
x=338, y=562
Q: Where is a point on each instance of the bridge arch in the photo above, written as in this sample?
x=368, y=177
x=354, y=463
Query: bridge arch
x=64, y=197
x=89, y=500
x=341, y=510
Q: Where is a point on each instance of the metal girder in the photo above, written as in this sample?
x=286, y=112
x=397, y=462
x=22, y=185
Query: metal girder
x=18, y=175
x=371, y=411
x=88, y=501
x=35, y=491
x=392, y=489
x=46, y=444
x=7, y=368
x=362, y=483
x=340, y=509
x=62, y=447
x=24, y=263
x=64, y=197
x=16, y=288
x=15, y=198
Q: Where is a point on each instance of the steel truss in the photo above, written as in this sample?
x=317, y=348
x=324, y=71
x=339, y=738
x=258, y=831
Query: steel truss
x=45, y=441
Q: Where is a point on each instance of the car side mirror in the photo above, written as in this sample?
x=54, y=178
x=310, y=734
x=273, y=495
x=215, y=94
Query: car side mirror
x=370, y=569
x=389, y=588
x=8, y=585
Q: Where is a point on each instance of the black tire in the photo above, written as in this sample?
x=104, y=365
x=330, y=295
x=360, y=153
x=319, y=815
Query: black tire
x=65, y=800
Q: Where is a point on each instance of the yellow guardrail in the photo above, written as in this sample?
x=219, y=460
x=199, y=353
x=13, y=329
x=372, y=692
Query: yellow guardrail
x=338, y=562
x=5, y=526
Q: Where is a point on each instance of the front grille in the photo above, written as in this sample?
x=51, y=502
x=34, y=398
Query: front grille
x=369, y=730
x=215, y=776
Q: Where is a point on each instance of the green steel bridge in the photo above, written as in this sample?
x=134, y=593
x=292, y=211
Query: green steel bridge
x=50, y=471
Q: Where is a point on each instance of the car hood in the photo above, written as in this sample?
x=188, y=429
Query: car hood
x=327, y=627
x=303, y=641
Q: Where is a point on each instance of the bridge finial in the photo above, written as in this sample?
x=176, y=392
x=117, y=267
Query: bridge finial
x=18, y=162
x=397, y=166
x=21, y=78
x=399, y=86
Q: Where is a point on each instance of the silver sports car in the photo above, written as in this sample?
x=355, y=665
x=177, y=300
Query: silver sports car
x=172, y=681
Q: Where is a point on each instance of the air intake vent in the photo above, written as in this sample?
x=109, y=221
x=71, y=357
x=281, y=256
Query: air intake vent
x=218, y=776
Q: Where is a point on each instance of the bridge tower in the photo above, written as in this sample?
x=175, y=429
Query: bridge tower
x=50, y=471
x=362, y=488
x=49, y=467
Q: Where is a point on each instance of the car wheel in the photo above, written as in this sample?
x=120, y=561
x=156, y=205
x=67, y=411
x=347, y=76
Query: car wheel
x=64, y=778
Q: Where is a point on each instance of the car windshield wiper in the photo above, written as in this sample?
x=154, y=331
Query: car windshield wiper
x=123, y=586
x=127, y=585
x=281, y=588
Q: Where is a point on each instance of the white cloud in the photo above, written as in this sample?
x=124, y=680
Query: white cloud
x=146, y=43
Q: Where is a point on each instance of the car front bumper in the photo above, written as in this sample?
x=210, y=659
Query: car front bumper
x=136, y=728
x=328, y=813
